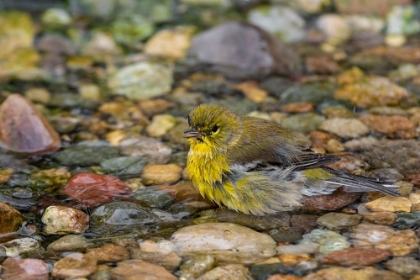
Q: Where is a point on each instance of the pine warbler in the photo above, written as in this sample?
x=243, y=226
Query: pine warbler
x=256, y=167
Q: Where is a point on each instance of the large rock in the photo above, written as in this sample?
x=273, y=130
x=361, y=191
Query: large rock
x=240, y=50
x=24, y=130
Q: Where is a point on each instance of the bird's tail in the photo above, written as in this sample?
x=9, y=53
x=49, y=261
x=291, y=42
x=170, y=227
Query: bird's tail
x=355, y=183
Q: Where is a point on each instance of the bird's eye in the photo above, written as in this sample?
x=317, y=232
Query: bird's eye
x=215, y=128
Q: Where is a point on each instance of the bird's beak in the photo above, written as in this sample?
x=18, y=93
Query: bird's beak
x=192, y=133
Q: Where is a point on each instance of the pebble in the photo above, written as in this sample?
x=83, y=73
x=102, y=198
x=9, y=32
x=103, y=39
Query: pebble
x=5, y=175
x=281, y=21
x=370, y=91
x=304, y=223
x=31, y=269
x=366, y=235
x=236, y=50
x=160, y=253
x=381, y=218
x=140, y=270
x=18, y=118
x=364, y=273
x=85, y=155
x=415, y=200
x=160, y=125
x=328, y=240
x=338, y=221
x=334, y=27
x=142, y=80
x=252, y=91
x=390, y=204
x=69, y=243
x=346, y=128
x=95, y=189
x=335, y=201
x=408, y=220
x=255, y=222
x=400, y=243
x=302, y=122
x=356, y=256
x=23, y=246
x=391, y=126
x=170, y=43
x=196, y=266
x=304, y=248
x=161, y=174
x=10, y=218
x=64, y=220
x=124, y=166
x=405, y=266
x=155, y=151
x=108, y=253
x=225, y=241
x=38, y=95
x=228, y=272
x=298, y=107
x=73, y=266
x=153, y=197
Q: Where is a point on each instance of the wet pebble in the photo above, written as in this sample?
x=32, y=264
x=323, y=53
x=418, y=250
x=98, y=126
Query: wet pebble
x=329, y=241
x=170, y=43
x=95, y=189
x=108, y=253
x=69, y=243
x=40, y=95
x=227, y=272
x=153, y=197
x=117, y=218
x=356, y=256
x=138, y=269
x=196, y=266
x=161, y=174
x=346, y=128
x=406, y=266
x=254, y=222
x=86, y=155
x=331, y=202
x=390, y=204
x=304, y=248
x=73, y=266
x=415, y=200
x=365, y=273
x=233, y=48
x=160, y=253
x=400, y=243
x=15, y=269
x=381, y=218
x=142, y=80
x=408, y=220
x=63, y=220
x=304, y=123
x=366, y=235
x=124, y=166
x=391, y=126
x=152, y=149
x=160, y=125
x=225, y=241
x=10, y=218
x=303, y=223
x=19, y=117
x=21, y=247
x=338, y=221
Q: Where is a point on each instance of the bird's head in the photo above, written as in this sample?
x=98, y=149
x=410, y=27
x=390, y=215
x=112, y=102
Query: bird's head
x=214, y=126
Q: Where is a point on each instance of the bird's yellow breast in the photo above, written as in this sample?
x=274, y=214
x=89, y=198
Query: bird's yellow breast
x=206, y=168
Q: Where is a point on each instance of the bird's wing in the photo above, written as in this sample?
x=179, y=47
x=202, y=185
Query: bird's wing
x=309, y=159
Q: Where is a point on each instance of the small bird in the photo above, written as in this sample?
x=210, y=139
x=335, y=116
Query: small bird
x=255, y=166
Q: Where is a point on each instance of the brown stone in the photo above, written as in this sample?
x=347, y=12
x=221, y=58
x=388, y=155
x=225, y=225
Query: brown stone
x=378, y=7
x=23, y=129
x=108, y=253
x=73, y=266
x=298, y=107
x=321, y=64
x=140, y=270
x=303, y=223
x=161, y=174
x=356, y=256
x=30, y=269
x=10, y=218
x=400, y=243
x=334, y=201
x=391, y=126
x=381, y=218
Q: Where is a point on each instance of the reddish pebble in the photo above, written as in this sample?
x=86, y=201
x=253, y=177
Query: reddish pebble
x=23, y=129
x=356, y=256
x=93, y=189
x=16, y=269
